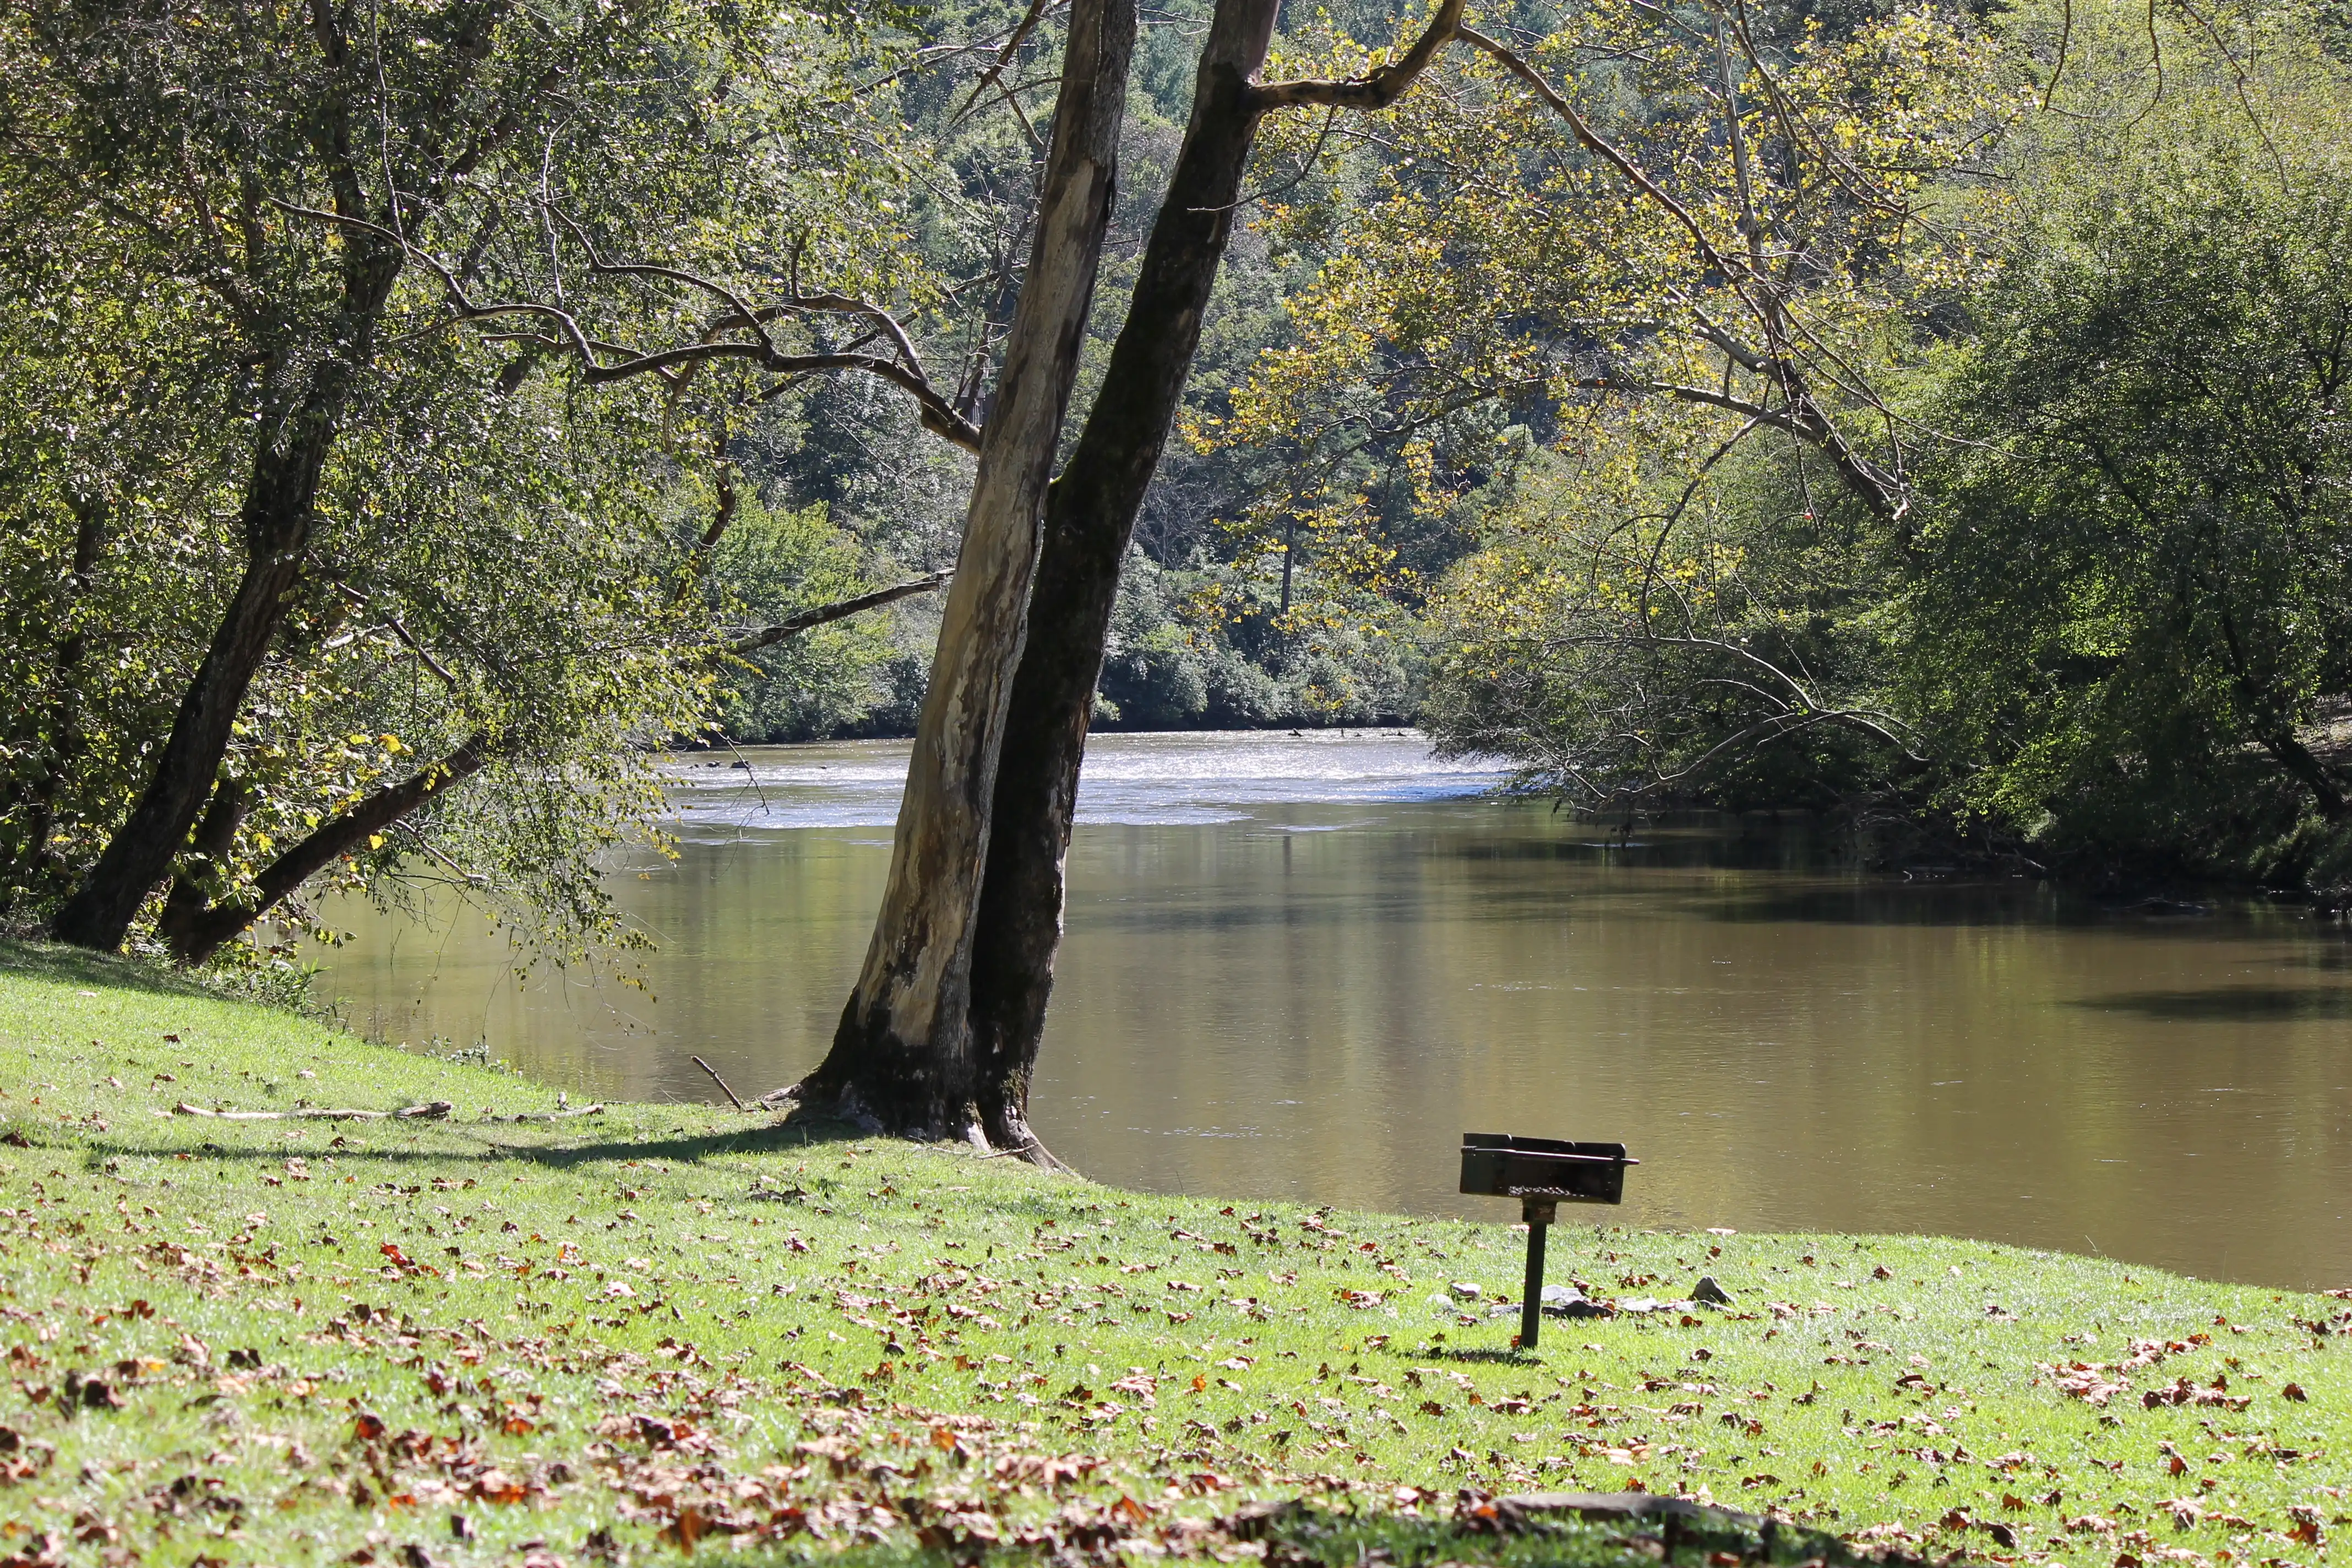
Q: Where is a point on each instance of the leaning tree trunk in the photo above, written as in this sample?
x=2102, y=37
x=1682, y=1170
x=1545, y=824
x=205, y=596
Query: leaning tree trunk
x=281, y=507
x=901, y=1055
x=195, y=929
x=1089, y=516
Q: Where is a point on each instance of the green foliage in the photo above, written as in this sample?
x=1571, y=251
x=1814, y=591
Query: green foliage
x=1182, y=656
x=202, y=209
x=824, y=681
x=2129, y=627
x=1667, y=608
x=2106, y=617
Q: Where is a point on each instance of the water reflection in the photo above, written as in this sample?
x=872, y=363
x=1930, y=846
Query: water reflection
x=1299, y=968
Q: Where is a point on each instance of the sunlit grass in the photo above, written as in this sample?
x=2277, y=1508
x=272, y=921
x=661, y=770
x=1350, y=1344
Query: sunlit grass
x=300, y=1340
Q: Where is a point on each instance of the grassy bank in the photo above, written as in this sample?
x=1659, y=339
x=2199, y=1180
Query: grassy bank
x=622, y=1335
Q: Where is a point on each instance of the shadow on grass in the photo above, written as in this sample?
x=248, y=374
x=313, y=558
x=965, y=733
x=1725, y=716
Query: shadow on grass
x=79, y=966
x=1507, y=1357
x=771, y=1138
x=796, y=1136
x=1488, y=1532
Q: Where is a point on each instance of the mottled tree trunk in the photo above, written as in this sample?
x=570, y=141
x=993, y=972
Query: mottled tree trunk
x=1090, y=516
x=901, y=1055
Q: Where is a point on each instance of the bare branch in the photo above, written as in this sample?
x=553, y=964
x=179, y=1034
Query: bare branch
x=1036, y=12
x=393, y=625
x=840, y=609
x=604, y=362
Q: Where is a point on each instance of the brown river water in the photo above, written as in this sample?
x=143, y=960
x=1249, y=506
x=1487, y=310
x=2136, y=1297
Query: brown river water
x=1300, y=967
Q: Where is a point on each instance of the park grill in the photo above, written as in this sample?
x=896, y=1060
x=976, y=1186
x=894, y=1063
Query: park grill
x=1542, y=1174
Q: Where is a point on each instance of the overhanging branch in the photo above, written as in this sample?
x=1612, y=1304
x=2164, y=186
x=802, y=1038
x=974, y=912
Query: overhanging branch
x=602, y=361
x=840, y=609
x=1383, y=87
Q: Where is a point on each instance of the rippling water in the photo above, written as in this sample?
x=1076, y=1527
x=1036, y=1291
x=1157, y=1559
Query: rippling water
x=1301, y=966
x=1136, y=779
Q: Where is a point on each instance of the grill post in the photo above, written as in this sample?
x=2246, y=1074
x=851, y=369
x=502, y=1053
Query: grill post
x=1542, y=1174
x=1539, y=1212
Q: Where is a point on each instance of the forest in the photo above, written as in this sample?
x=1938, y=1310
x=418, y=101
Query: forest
x=422, y=417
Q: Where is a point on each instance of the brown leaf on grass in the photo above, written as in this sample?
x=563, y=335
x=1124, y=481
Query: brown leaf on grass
x=46, y=1550
x=2183, y=1392
x=17, y=1448
x=690, y=1525
x=2294, y=1391
x=2087, y=1385
x=86, y=1391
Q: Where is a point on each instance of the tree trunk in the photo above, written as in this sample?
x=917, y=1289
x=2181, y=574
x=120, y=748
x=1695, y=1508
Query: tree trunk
x=901, y=1054
x=1090, y=516
x=197, y=932
x=281, y=507
x=198, y=880
x=2293, y=756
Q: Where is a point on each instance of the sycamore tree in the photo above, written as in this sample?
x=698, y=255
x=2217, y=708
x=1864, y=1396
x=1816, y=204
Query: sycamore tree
x=648, y=208
x=942, y=1030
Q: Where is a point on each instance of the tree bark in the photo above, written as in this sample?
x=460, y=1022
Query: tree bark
x=198, y=880
x=2295, y=757
x=1090, y=515
x=280, y=509
x=901, y=1054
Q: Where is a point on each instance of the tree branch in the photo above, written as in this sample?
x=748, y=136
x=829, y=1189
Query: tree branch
x=1601, y=146
x=840, y=609
x=203, y=932
x=597, y=357
x=1383, y=87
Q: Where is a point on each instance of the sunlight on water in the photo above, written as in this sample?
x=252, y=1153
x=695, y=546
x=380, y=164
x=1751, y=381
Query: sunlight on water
x=1301, y=967
x=1138, y=779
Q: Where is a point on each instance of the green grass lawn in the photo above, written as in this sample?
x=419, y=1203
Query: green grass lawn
x=668, y=1329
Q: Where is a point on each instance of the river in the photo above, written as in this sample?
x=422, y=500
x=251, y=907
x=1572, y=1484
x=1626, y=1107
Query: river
x=1298, y=967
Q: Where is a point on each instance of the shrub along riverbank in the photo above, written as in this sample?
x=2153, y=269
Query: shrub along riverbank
x=619, y=1334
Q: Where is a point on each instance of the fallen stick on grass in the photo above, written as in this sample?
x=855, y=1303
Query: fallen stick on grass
x=721, y=1083
x=431, y=1111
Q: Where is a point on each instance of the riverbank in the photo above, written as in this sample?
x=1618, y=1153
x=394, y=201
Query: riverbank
x=519, y=1327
